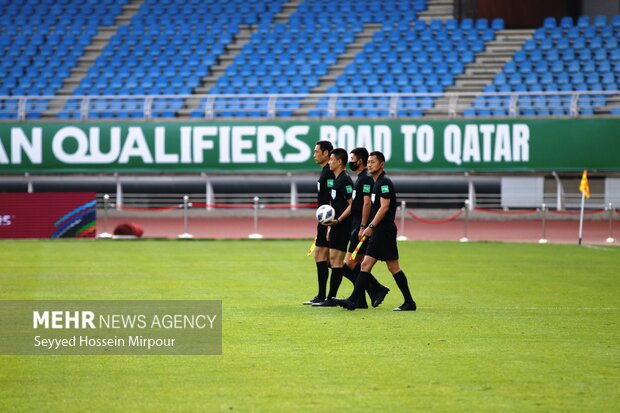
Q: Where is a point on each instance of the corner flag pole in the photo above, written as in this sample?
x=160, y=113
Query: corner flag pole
x=584, y=188
x=583, y=202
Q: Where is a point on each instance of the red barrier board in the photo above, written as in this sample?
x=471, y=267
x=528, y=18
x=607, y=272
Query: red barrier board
x=48, y=215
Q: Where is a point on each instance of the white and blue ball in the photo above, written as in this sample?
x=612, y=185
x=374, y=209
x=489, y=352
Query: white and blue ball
x=325, y=214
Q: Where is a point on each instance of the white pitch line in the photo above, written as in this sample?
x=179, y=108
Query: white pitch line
x=527, y=308
x=601, y=248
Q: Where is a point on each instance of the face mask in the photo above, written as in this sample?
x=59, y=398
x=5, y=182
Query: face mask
x=353, y=166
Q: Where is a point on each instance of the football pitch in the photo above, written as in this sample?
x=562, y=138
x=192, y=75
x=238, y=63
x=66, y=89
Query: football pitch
x=500, y=327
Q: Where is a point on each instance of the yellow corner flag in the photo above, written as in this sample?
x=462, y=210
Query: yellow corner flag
x=584, y=188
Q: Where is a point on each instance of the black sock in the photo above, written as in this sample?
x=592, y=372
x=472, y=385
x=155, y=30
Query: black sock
x=401, y=281
x=334, y=282
x=322, y=273
x=370, y=287
x=348, y=274
x=373, y=285
x=360, y=286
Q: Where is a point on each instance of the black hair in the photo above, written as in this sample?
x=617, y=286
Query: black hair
x=340, y=154
x=378, y=155
x=325, y=146
x=361, y=154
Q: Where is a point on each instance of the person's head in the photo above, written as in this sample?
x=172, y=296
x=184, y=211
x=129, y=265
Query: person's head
x=359, y=159
x=322, y=149
x=337, y=159
x=376, y=163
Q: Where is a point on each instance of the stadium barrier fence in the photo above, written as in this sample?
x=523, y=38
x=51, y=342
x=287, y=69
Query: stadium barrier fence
x=325, y=105
x=256, y=206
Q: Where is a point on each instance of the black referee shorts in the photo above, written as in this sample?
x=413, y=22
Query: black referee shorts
x=382, y=245
x=321, y=236
x=339, y=236
x=354, y=240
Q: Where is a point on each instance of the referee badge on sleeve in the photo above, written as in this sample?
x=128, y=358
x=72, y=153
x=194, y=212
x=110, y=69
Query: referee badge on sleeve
x=385, y=189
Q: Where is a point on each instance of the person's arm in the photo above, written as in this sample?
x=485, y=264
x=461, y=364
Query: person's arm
x=365, y=215
x=345, y=214
x=383, y=209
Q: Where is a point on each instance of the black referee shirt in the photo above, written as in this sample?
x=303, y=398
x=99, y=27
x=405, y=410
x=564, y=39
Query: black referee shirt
x=324, y=186
x=383, y=188
x=363, y=186
x=341, y=193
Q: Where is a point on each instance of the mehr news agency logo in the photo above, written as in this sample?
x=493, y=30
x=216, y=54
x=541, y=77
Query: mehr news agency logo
x=111, y=327
x=88, y=320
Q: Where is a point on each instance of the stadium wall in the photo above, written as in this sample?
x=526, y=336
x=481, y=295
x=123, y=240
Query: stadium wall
x=502, y=146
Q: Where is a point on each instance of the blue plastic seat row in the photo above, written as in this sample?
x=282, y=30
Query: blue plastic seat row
x=140, y=60
x=432, y=65
x=41, y=41
x=582, y=21
x=314, y=36
x=562, y=59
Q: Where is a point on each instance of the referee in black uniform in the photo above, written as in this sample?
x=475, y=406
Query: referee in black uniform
x=340, y=228
x=360, y=214
x=382, y=233
x=322, y=150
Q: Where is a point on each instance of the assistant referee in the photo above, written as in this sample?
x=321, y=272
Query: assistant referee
x=360, y=214
x=340, y=228
x=322, y=150
x=382, y=233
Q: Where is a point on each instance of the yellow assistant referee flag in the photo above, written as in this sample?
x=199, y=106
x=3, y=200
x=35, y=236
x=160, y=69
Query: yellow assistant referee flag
x=584, y=188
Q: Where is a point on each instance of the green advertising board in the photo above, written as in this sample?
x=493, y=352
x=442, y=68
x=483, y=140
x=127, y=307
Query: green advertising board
x=270, y=146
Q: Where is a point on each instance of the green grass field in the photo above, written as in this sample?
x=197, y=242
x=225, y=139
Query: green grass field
x=500, y=327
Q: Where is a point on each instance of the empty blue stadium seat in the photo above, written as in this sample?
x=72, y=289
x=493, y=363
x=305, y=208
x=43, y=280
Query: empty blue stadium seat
x=170, y=46
x=174, y=58
x=565, y=57
x=41, y=41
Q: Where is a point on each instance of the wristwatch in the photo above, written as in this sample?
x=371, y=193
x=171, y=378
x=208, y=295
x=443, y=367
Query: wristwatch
x=371, y=226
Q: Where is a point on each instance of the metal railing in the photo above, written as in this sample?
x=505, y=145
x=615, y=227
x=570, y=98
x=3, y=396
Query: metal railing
x=375, y=105
x=425, y=201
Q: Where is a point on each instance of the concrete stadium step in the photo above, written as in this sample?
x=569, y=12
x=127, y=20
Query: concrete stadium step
x=438, y=10
x=338, y=68
x=481, y=71
x=287, y=10
x=610, y=102
x=91, y=52
x=232, y=51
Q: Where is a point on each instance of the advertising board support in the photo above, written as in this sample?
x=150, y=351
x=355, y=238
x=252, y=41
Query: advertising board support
x=403, y=210
x=543, y=218
x=186, y=205
x=465, y=222
x=105, y=233
x=119, y=192
x=256, y=234
x=610, y=239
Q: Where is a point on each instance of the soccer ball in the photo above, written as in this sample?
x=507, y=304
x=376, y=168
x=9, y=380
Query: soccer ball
x=325, y=214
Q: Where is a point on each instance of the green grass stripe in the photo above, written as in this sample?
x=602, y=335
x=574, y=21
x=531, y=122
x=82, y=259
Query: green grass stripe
x=500, y=328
